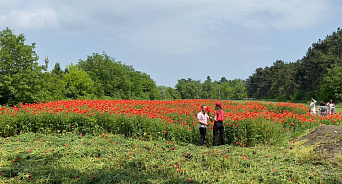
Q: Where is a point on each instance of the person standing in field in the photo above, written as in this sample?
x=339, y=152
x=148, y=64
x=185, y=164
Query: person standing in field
x=331, y=107
x=218, y=124
x=312, y=106
x=323, y=109
x=202, y=119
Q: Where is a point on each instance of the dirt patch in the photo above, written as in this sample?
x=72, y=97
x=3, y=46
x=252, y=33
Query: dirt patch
x=327, y=138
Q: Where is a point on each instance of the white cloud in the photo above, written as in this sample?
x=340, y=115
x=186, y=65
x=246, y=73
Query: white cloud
x=33, y=19
x=178, y=26
x=27, y=15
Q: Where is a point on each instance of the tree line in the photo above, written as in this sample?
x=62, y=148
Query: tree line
x=98, y=77
x=317, y=75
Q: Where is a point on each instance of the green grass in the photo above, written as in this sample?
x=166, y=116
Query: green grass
x=72, y=158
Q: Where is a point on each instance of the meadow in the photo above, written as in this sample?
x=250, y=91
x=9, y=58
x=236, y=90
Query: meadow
x=130, y=141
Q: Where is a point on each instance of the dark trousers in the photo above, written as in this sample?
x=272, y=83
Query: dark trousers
x=203, y=131
x=218, y=127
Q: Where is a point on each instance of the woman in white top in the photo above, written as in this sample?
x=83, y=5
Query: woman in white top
x=312, y=106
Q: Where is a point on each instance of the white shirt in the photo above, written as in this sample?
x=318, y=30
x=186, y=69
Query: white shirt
x=313, y=108
x=202, y=117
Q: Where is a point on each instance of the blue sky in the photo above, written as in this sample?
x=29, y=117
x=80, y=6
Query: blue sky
x=174, y=39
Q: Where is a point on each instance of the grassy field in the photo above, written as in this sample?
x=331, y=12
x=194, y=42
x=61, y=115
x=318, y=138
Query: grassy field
x=102, y=142
x=108, y=158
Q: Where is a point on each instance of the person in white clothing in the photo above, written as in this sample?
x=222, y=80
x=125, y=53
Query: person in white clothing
x=202, y=119
x=312, y=106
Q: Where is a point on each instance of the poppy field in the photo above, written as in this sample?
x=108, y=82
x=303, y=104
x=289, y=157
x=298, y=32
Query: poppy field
x=130, y=141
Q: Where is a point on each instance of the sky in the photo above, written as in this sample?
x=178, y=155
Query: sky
x=174, y=39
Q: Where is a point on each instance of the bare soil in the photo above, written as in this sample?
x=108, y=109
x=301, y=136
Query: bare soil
x=328, y=140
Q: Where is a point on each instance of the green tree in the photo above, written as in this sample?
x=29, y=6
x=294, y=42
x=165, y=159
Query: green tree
x=164, y=94
x=189, y=89
x=57, y=71
x=331, y=87
x=225, y=91
x=19, y=70
x=110, y=74
x=173, y=93
x=52, y=88
x=117, y=80
x=239, y=89
x=258, y=84
x=207, y=89
x=319, y=58
x=78, y=83
x=149, y=87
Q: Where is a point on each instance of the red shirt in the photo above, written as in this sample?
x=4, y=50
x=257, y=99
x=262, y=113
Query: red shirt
x=219, y=115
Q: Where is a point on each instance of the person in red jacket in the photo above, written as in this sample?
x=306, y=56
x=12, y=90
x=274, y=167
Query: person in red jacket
x=218, y=124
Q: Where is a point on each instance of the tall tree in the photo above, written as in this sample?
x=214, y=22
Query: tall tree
x=207, y=88
x=332, y=85
x=19, y=70
x=110, y=74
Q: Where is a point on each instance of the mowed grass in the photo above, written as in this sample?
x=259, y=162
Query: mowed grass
x=109, y=158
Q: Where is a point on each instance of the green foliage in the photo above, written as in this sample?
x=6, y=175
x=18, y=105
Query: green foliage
x=78, y=84
x=298, y=80
x=117, y=80
x=194, y=89
x=108, y=158
x=331, y=85
x=19, y=70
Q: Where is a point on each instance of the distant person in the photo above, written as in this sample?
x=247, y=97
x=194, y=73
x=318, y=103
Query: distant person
x=218, y=124
x=202, y=119
x=312, y=106
x=331, y=107
x=323, y=110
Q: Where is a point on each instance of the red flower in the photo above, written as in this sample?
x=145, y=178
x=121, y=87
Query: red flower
x=165, y=132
